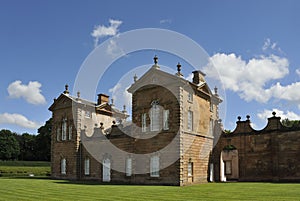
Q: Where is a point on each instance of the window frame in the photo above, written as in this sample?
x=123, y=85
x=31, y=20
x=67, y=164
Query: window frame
x=166, y=114
x=154, y=166
x=190, y=169
x=63, y=166
x=64, y=129
x=155, y=116
x=58, y=133
x=70, y=132
x=87, y=114
x=190, y=120
x=144, y=122
x=87, y=165
x=190, y=96
x=128, y=167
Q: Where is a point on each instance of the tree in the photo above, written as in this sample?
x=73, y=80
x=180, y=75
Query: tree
x=43, y=142
x=9, y=146
x=27, y=143
x=290, y=123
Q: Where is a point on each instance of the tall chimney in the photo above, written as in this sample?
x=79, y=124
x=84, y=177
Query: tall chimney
x=198, y=77
x=102, y=98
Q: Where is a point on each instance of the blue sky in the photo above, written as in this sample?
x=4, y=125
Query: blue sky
x=253, y=44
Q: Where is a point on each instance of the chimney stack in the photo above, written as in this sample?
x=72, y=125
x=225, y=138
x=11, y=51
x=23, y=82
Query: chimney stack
x=102, y=98
x=198, y=77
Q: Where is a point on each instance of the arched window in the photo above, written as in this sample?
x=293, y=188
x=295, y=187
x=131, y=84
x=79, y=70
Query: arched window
x=58, y=134
x=70, y=132
x=154, y=116
x=144, y=122
x=64, y=129
x=166, y=119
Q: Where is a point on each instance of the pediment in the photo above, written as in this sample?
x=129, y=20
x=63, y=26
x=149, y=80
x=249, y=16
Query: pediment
x=156, y=76
x=63, y=101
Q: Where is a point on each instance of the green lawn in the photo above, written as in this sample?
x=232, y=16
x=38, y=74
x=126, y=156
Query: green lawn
x=46, y=189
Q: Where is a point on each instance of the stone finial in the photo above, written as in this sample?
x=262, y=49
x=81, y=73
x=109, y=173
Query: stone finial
x=248, y=117
x=66, y=89
x=216, y=90
x=179, y=69
x=135, y=78
x=239, y=118
x=78, y=94
x=124, y=109
x=155, y=63
x=112, y=102
x=274, y=113
x=155, y=59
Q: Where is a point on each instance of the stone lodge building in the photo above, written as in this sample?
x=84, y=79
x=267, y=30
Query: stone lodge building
x=169, y=141
x=175, y=137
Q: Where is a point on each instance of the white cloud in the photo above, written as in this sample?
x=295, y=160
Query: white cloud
x=19, y=120
x=265, y=114
x=248, y=79
x=113, y=49
x=269, y=45
x=190, y=77
x=289, y=92
x=120, y=95
x=102, y=30
x=297, y=71
x=31, y=92
x=165, y=21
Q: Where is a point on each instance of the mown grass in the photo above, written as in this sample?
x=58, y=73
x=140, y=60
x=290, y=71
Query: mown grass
x=46, y=189
x=24, y=168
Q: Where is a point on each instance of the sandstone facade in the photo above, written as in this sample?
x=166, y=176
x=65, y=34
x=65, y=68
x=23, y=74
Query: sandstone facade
x=270, y=154
x=169, y=140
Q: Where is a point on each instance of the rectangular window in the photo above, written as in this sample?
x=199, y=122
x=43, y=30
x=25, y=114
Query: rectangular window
x=154, y=124
x=128, y=167
x=87, y=166
x=58, y=133
x=154, y=166
x=228, y=167
x=63, y=166
x=190, y=121
x=166, y=120
x=87, y=114
x=190, y=97
x=64, y=130
x=144, y=122
x=190, y=169
x=70, y=132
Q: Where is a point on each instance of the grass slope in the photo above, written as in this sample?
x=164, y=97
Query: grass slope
x=46, y=189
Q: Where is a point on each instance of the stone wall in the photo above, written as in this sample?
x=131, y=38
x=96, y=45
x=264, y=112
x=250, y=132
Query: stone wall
x=270, y=154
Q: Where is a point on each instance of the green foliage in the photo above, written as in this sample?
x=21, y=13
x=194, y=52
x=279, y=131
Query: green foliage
x=26, y=147
x=24, y=168
x=43, y=140
x=229, y=148
x=290, y=123
x=9, y=146
x=46, y=189
x=227, y=131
